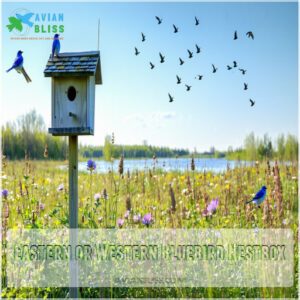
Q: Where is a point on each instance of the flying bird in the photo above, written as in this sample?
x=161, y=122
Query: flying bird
x=188, y=87
x=228, y=67
x=235, y=35
x=181, y=61
x=252, y=102
x=171, y=99
x=198, y=49
x=175, y=28
x=234, y=64
x=190, y=53
x=259, y=197
x=136, y=51
x=18, y=66
x=245, y=86
x=143, y=37
x=159, y=20
x=26, y=19
x=196, y=21
x=55, y=46
x=243, y=71
x=250, y=35
x=178, y=79
x=214, y=69
x=152, y=65
x=162, y=58
x=199, y=77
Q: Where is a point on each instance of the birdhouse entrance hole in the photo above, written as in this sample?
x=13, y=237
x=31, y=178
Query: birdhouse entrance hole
x=71, y=93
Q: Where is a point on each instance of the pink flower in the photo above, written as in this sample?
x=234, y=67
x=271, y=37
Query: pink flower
x=126, y=215
x=120, y=222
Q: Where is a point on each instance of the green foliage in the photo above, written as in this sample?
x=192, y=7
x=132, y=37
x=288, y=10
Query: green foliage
x=149, y=192
x=129, y=151
x=256, y=148
x=28, y=136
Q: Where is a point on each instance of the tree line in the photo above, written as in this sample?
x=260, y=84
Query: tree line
x=283, y=148
x=27, y=136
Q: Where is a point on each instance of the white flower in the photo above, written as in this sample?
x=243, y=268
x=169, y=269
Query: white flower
x=60, y=187
x=97, y=196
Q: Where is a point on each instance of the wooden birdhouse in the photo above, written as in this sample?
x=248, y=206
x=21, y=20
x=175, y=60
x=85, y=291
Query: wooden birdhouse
x=74, y=77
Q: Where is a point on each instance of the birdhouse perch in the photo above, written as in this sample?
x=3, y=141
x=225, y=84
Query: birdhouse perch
x=74, y=76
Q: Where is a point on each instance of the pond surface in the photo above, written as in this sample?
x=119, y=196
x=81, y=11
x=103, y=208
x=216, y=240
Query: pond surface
x=166, y=164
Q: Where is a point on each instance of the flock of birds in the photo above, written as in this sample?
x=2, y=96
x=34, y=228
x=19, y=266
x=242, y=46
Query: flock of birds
x=249, y=34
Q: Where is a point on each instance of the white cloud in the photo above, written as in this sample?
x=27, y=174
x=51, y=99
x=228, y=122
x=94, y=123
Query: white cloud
x=150, y=119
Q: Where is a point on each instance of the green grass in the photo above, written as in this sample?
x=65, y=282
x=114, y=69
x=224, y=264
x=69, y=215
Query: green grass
x=31, y=183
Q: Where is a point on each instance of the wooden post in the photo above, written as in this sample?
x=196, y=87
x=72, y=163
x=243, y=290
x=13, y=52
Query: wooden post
x=73, y=211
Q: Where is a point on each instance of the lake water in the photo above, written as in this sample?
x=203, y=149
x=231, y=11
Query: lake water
x=167, y=164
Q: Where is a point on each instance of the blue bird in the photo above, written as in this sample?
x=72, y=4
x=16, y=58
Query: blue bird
x=18, y=66
x=259, y=197
x=25, y=19
x=55, y=45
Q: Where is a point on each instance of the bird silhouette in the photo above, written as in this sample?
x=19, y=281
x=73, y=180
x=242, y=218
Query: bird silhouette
x=199, y=77
x=252, y=102
x=178, y=79
x=143, y=37
x=188, y=87
x=243, y=71
x=234, y=64
x=136, y=51
x=235, y=35
x=159, y=20
x=214, y=69
x=171, y=99
x=196, y=21
x=245, y=86
x=198, y=49
x=190, y=53
x=175, y=28
x=228, y=67
x=250, y=35
x=181, y=61
x=152, y=65
x=162, y=58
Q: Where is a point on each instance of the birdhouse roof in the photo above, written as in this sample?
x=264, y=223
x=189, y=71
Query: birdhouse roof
x=75, y=64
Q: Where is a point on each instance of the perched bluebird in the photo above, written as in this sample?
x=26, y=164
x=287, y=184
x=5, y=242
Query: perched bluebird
x=259, y=197
x=18, y=66
x=55, y=45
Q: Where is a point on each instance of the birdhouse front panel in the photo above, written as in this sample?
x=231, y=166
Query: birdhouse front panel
x=70, y=102
x=74, y=77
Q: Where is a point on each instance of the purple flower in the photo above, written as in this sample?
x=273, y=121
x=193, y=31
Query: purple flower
x=147, y=219
x=212, y=206
x=41, y=206
x=120, y=222
x=91, y=165
x=4, y=193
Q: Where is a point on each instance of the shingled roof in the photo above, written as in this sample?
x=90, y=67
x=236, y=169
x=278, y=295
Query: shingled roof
x=75, y=64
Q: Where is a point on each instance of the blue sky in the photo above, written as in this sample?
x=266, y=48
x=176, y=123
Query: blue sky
x=133, y=100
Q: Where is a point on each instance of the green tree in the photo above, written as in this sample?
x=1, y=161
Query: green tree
x=108, y=148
